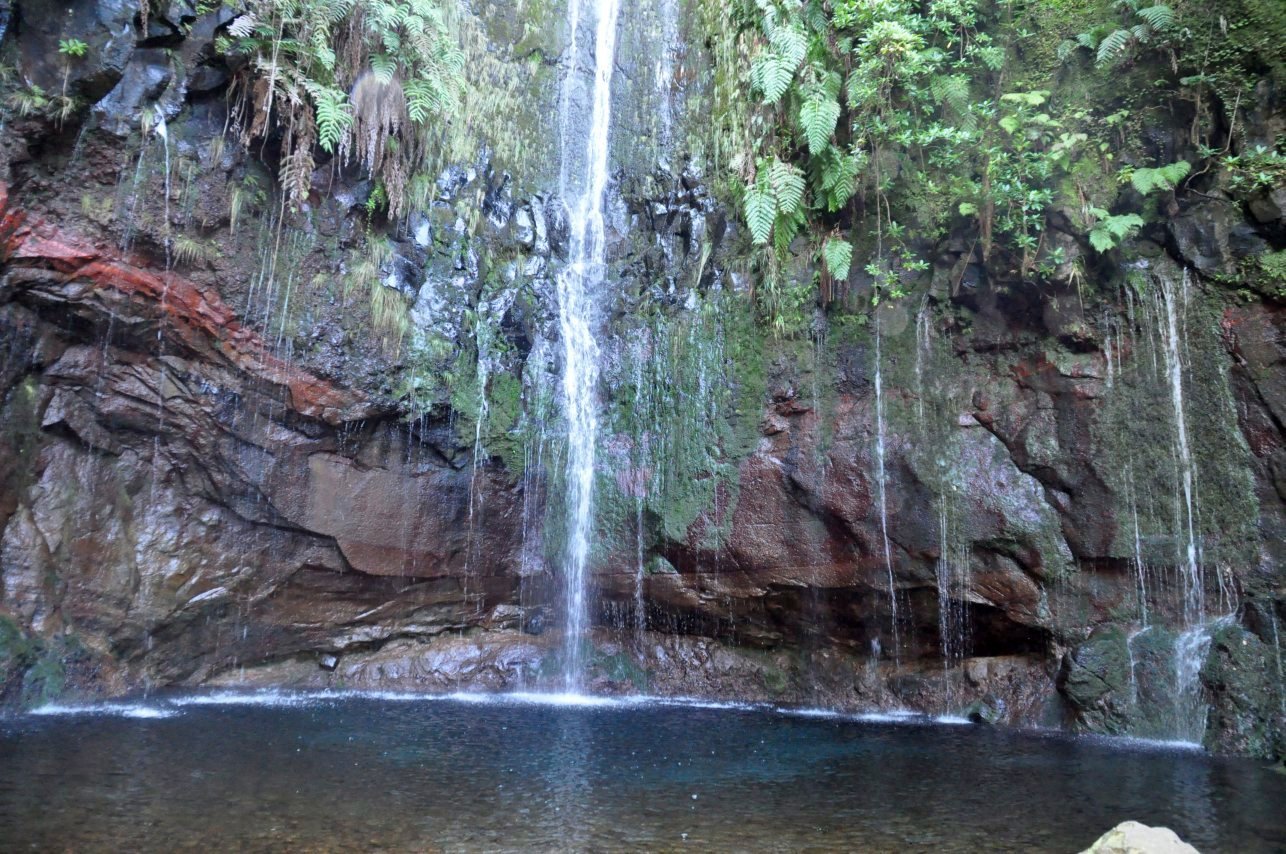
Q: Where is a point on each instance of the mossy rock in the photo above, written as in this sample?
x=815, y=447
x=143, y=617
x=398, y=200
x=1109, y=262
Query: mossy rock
x=1095, y=679
x=1239, y=675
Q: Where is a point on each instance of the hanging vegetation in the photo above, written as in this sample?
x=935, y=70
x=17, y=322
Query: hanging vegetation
x=362, y=80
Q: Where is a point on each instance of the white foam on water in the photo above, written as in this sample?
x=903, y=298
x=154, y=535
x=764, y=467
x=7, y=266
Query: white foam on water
x=895, y=716
x=123, y=710
x=250, y=698
x=829, y=714
x=1137, y=742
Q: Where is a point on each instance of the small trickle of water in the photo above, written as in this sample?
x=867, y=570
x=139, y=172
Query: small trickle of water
x=1277, y=653
x=884, y=509
x=923, y=349
x=1134, y=679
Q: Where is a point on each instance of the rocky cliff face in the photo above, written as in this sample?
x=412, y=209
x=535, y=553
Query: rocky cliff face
x=216, y=470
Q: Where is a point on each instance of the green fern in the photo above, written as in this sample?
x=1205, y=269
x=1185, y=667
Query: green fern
x=1110, y=230
x=839, y=176
x=1147, y=181
x=760, y=207
x=791, y=44
x=785, y=228
x=1159, y=18
x=772, y=75
x=334, y=116
x=384, y=67
x=788, y=185
x=190, y=252
x=838, y=255
x=818, y=116
x=1110, y=48
x=951, y=90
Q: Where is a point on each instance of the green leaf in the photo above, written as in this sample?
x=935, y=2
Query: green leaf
x=839, y=257
x=784, y=231
x=1010, y=124
x=384, y=67
x=772, y=74
x=1112, y=45
x=1113, y=229
x=1159, y=18
x=1146, y=181
x=1124, y=225
x=968, y=209
x=1101, y=239
x=761, y=207
x=951, y=91
x=334, y=116
x=818, y=116
x=788, y=184
x=791, y=44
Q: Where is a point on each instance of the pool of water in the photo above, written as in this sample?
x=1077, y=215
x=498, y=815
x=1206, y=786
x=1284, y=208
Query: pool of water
x=393, y=773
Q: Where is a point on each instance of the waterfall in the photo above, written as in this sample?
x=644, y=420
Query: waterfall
x=884, y=506
x=1190, y=706
x=577, y=282
x=1194, y=604
x=1140, y=568
x=640, y=485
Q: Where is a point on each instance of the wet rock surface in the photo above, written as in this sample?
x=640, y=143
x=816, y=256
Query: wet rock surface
x=215, y=471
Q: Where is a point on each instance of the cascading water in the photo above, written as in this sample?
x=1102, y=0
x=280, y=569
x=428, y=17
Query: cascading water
x=884, y=506
x=952, y=571
x=1194, y=602
x=584, y=194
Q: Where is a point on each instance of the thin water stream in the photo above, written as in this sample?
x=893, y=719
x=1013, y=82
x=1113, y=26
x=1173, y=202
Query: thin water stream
x=881, y=480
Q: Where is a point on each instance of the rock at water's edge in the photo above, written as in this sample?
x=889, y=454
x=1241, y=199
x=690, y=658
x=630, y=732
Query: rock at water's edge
x=1131, y=837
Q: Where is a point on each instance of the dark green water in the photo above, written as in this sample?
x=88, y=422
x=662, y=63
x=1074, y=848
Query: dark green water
x=352, y=773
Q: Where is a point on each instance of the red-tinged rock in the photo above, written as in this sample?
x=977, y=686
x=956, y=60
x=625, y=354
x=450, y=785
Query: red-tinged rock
x=194, y=315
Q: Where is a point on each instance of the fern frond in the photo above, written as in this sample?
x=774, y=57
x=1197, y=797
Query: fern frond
x=761, y=207
x=818, y=116
x=1112, y=45
x=772, y=74
x=384, y=67
x=1109, y=232
x=785, y=228
x=951, y=91
x=791, y=44
x=1146, y=181
x=334, y=115
x=838, y=255
x=788, y=184
x=1159, y=18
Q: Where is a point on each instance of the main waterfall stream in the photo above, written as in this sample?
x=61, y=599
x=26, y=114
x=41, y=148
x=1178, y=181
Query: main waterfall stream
x=583, y=184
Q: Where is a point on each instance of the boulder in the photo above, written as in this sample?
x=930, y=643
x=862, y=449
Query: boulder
x=106, y=28
x=1213, y=236
x=1131, y=837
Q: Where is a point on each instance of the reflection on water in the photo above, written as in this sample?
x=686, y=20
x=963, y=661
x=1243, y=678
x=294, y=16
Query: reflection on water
x=385, y=773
